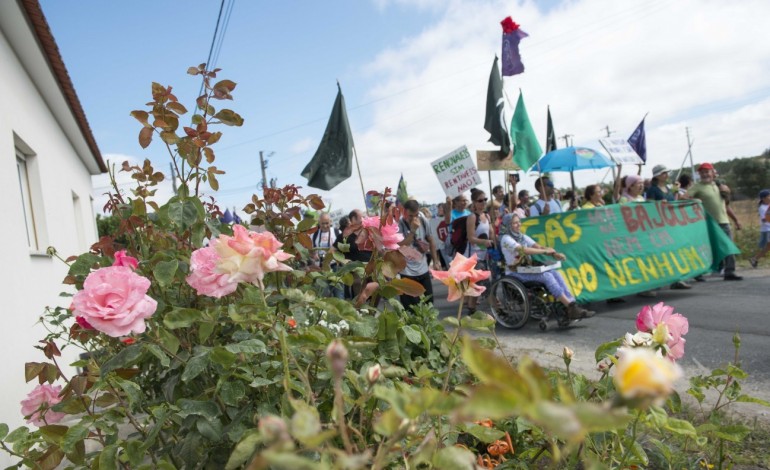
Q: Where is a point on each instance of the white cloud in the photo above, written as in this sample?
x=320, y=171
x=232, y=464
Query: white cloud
x=303, y=145
x=701, y=64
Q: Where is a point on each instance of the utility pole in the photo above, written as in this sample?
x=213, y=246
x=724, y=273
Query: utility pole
x=689, y=150
x=263, y=167
x=567, y=140
x=607, y=129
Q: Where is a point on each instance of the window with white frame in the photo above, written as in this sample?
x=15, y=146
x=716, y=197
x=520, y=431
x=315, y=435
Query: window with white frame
x=26, y=200
x=31, y=197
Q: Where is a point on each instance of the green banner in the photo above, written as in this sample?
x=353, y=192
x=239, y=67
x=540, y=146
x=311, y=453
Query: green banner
x=624, y=249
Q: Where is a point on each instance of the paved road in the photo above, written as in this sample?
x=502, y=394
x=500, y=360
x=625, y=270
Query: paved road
x=715, y=309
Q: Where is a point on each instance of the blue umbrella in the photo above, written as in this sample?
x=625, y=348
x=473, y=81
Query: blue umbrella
x=571, y=159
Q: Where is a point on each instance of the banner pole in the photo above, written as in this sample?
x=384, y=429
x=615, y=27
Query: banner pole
x=363, y=191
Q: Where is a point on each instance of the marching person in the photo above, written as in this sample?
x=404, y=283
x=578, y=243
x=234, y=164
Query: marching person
x=417, y=235
x=764, y=227
x=708, y=192
x=481, y=236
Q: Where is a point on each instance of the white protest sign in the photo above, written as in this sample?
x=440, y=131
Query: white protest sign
x=456, y=172
x=621, y=152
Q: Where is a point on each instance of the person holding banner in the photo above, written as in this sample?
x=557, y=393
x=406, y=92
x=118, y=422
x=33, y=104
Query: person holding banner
x=659, y=190
x=594, y=196
x=513, y=243
x=708, y=192
x=633, y=189
x=546, y=204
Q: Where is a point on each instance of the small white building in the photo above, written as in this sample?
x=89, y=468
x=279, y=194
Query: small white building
x=47, y=157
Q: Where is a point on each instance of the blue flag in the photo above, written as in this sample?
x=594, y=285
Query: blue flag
x=638, y=141
x=512, y=35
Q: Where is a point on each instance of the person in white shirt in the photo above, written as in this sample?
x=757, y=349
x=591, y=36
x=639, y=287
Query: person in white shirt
x=546, y=205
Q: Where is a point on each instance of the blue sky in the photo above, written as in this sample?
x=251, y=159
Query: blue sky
x=414, y=74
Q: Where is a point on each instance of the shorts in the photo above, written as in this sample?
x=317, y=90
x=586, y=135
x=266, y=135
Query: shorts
x=764, y=239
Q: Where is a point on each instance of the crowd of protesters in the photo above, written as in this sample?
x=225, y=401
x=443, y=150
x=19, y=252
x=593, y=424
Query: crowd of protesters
x=492, y=225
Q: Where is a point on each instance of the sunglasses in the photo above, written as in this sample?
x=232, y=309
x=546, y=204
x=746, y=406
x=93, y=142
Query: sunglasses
x=482, y=200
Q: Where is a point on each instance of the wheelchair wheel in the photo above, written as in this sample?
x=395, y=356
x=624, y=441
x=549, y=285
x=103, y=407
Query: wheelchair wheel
x=540, y=301
x=509, y=303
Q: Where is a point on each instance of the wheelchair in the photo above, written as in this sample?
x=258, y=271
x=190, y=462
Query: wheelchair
x=514, y=302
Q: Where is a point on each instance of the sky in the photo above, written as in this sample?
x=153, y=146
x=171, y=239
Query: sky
x=414, y=74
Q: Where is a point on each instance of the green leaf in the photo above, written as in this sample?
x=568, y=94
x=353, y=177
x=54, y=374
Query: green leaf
x=132, y=390
x=407, y=287
x=288, y=461
x=204, y=331
x=220, y=355
x=681, y=427
x=108, y=458
x=750, y=399
x=53, y=433
x=412, y=334
x=75, y=434
x=182, y=318
x=607, y=349
x=195, y=366
x=306, y=224
x=306, y=423
x=169, y=340
x=232, y=392
x=244, y=450
x=125, y=358
x=229, y=117
x=250, y=346
x=82, y=265
x=183, y=213
x=3, y=431
x=479, y=321
x=134, y=452
x=210, y=429
x=17, y=434
x=157, y=352
x=485, y=434
x=639, y=453
x=205, y=409
x=732, y=432
x=164, y=272
x=454, y=458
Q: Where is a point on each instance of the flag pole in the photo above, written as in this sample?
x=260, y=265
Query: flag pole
x=363, y=191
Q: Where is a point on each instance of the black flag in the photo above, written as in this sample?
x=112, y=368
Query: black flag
x=550, y=134
x=495, y=122
x=333, y=161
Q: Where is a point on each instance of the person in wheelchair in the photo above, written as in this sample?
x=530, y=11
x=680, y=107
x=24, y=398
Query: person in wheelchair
x=513, y=244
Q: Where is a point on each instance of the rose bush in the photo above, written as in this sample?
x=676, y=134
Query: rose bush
x=237, y=359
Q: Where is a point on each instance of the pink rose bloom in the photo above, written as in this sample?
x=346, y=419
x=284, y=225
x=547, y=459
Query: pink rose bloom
x=121, y=259
x=677, y=325
x=247, y=256
x=37, y=405
x=114, y=301
x=388, y=232
x=205, y=278
x=461, y=278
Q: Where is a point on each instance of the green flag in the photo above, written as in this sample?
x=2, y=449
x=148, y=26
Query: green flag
x=495, y=117
x=333, y=161
x=526, y=149
x=550, y=134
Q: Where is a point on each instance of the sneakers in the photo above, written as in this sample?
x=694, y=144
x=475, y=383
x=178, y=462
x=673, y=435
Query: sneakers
x=733, y=277
x=575, y=312
x=647, y=294
x=680, y=285
x=699, y=279
x=753, y=262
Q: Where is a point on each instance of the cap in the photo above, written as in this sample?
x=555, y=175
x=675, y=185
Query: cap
x=705, y=166
x=764, y=193
x=658, y=170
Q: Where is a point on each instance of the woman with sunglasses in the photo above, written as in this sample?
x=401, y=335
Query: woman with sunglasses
x=481, y=236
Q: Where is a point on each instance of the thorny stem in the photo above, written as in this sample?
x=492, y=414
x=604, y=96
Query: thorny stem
x=452, y=357
x=339, y=405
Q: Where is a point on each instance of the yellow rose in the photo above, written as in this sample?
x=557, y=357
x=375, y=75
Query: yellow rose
x=641, y=373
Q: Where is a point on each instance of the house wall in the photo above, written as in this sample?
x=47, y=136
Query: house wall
x=30, y=280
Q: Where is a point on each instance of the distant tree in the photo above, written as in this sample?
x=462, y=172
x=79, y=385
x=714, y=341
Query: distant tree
x=748, y=176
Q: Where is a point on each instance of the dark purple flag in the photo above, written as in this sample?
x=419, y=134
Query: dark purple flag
x=638, y=141
x=512, y=34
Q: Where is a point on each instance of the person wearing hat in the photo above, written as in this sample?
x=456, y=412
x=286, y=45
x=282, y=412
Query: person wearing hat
x=659, y=190
x=708, y=192
x=764, y=227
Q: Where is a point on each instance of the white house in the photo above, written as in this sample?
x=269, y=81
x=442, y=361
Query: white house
x=47, y=157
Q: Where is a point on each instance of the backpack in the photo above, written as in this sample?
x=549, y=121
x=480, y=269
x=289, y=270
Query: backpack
x=459, y=234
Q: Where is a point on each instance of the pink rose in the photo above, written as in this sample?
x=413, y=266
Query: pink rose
x=388, y=232
x=677, y=325
x=462, y=278
x=121, y=259
x=114, y=301
x=36, y=405
x=205, y=278
x=83, y=323
x=247, y=256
